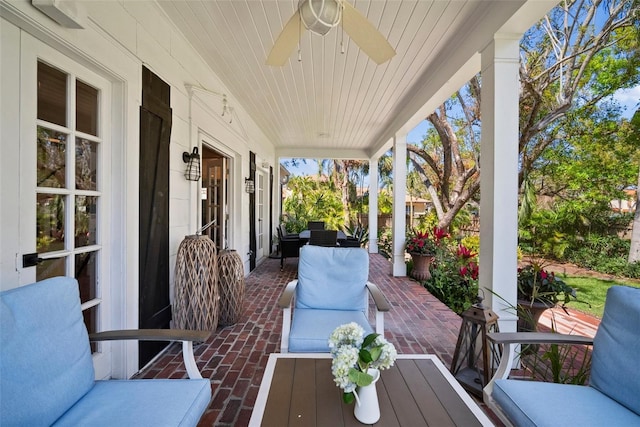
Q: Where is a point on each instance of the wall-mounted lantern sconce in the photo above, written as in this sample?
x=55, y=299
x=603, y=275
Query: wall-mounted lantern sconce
x=249, y=187
x=192, y=173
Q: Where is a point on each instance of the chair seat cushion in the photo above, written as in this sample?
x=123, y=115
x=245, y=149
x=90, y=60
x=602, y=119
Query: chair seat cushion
x=311, y=328
x=157, y=402
x=531, y=403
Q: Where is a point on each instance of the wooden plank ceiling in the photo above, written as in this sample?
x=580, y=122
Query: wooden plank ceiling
x=332, y=101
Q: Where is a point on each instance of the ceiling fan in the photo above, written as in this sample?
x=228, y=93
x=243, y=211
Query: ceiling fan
x=319, y=16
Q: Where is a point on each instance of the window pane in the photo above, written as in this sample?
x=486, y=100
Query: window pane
x=86, y=108
x=49, y=223
x=52, y=148
x=86, y=159
x=51, y=268
x=52, y=95
x=86, y=275
x=85, y=234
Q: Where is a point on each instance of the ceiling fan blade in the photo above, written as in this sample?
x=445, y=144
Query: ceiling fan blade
x=365, y=35
x=286, y=42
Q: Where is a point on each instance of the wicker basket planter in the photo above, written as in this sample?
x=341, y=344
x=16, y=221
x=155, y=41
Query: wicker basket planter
x=231, y=285
x=196, y=304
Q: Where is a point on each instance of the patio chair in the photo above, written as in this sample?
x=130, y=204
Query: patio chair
x=286, y=234
x=349, y=242
x=289, y=245
x=612, y=396
x=326, y=238
x=315, y=225
x=331, y=290
x=47, y=370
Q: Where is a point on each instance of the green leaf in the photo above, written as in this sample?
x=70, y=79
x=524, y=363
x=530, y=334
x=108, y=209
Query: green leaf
x=348, y=398
x=369, y=339
x=365, y=356
x=375, y=353
x=359, y=378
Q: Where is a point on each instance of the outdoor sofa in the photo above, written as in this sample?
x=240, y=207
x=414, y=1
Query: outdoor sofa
x=612, y=397
x=47, y=374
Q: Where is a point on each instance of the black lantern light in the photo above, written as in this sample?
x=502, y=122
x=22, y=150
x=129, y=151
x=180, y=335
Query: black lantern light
x=192, y=173
x=474, y=359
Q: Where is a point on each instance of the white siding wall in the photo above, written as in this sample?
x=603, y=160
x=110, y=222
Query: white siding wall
x=118, y=40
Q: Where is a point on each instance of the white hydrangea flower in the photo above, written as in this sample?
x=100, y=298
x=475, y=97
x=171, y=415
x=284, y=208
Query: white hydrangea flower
x=349, y=334
x=345, y=343
x=387, y=357
x=345, y=358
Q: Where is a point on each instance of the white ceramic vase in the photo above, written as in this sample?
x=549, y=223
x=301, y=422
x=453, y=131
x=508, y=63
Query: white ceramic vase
x=367, y=409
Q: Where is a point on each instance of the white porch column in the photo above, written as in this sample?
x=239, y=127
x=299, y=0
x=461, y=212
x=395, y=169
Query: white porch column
x=399, y=209
x=499, y=182
x=373, y=205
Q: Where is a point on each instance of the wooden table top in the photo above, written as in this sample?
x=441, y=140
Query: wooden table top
x=298, y=390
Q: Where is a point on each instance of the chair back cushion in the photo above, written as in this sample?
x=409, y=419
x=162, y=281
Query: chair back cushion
x=45, y=358
x=332, y=278
x=616, y=348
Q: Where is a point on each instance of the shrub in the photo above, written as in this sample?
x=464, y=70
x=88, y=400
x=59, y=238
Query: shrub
x=606, y=254
x=385, y=244
x=454, y=276
x=293, y=224
x=581, y=232
x=535, y=284
x=472, y=243
x=567, y=226
x=357, y=231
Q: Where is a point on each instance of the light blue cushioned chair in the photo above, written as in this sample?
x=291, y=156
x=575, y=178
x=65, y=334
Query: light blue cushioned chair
x=46, y=368
x=332, y=289
x=613, y=395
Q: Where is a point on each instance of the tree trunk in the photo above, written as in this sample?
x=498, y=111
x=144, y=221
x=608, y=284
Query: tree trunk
x=634, y=251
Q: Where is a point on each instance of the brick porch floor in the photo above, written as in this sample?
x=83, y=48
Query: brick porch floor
x=235, y=356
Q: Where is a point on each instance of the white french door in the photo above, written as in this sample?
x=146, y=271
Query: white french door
x=261, y=219
x=64, y=190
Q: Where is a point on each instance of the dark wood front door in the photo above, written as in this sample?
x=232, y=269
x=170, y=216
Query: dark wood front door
x=155, y=132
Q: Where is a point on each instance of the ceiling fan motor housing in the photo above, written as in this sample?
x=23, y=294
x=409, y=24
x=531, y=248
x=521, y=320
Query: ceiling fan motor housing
x=319, y=16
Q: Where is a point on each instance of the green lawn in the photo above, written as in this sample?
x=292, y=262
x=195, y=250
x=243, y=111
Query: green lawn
x=593, y=291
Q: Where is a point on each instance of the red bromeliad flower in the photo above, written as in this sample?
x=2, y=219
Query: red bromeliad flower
x=474, y=270
x=464, y=252
x=421, y=243
x=538, y=285
x=470, y=270
x=439, y=234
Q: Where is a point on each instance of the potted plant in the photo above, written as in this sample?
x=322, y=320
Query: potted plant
x=538, y=290
x=422, y=249
x=357, y=361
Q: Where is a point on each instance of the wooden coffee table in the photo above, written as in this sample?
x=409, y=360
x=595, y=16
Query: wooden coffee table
x=298, y=389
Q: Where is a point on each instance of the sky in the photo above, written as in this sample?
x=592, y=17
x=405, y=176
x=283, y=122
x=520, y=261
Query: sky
x=629, y=99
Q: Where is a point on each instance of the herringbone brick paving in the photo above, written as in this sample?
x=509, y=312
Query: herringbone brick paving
x=234, y=358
